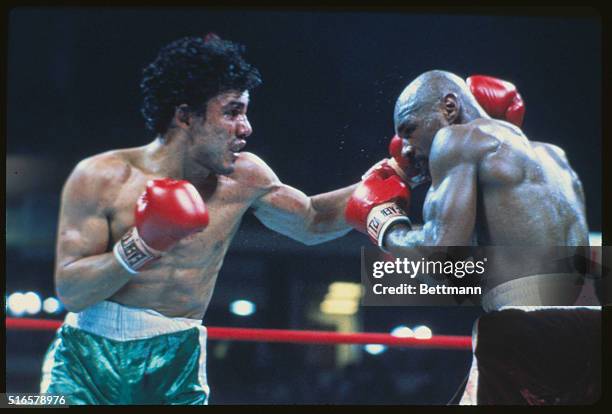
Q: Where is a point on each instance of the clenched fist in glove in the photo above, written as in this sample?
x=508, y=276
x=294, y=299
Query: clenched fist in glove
x=168, y=211
x=498, y=98
x=379, y=201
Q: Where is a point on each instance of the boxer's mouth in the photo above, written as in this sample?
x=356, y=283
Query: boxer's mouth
x=419, y=164
x=237, y=145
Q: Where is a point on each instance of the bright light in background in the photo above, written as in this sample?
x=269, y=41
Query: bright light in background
x=33, y=304
x=402, y=331
x=16, y=303
x=422, y=332
x=375, y=349
x=51, y=305
x=342, y=298
x=344, y=290
x=242, y=307
x=339, y=306
x=19, y=303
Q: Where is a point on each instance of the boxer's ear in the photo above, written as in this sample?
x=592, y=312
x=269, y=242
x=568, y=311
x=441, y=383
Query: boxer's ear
x=182, y=116
x=451, y=108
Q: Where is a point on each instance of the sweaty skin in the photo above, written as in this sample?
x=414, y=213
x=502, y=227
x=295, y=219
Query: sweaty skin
x=99, y=198
x=529, y=195
x=490, y=186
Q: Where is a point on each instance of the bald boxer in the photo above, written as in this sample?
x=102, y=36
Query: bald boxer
x=490, y=186
x=143, y=233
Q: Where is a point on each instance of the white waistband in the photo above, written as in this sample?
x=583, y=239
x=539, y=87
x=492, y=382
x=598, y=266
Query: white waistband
x=532, y=293
x=122, y=323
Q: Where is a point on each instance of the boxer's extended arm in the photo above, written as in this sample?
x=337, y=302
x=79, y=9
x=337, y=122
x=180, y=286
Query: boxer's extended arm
x=86, y=272
x=289, y=211
x=450, y=207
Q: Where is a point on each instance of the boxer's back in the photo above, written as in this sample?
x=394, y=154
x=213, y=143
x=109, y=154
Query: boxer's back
x=528, y=193
x=528, y=196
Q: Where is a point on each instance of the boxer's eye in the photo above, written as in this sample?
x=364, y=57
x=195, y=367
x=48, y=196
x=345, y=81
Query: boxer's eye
x=233, y=113
x=406, y=129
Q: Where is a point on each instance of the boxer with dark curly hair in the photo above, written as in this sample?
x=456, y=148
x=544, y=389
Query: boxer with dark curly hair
x=143, y=233
x=190, y=71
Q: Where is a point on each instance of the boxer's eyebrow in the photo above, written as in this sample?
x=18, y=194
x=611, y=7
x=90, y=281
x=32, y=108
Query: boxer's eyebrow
x=234, y=104
x=406, y=128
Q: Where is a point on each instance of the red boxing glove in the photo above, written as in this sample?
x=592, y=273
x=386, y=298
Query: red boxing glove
x=402, y=165
x=395, y=151
x=498, y=98
x=168, y=211
x=377, y=203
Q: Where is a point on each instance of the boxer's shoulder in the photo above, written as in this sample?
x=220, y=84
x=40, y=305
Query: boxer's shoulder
x=107, y=167
x=547, y=150
x=253, y=172
x=463, y=143
x=95, y=176
x=555, y=152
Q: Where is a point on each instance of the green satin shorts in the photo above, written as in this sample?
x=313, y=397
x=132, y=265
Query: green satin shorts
x=90, y=369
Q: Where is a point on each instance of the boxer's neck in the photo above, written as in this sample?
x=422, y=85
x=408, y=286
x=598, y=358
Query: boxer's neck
x=167, y=157
x=472, y=112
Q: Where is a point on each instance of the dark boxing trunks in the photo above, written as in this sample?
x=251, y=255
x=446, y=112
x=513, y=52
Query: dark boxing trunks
x=547, y=356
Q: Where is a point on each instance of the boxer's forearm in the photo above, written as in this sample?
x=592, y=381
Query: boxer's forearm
x=327, y=219
x=400, y=239
x=89, y=280
x=309, y=220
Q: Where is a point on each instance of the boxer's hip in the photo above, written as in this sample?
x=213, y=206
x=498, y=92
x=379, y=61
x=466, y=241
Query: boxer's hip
x=123, y=323
x=549, y=355
x=553, y=290
x=111, y=354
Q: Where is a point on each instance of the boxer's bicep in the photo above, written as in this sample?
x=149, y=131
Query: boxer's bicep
x=289, y=211
x=83, y=228
x=285, y=210
x=278, y=206
x=450, y=207
x=452, y=211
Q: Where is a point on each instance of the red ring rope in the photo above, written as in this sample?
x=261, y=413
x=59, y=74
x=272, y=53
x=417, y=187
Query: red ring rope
x=283, y=335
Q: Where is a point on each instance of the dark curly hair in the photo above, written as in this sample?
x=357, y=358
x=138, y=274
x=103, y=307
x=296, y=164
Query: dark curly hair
x=190, y=71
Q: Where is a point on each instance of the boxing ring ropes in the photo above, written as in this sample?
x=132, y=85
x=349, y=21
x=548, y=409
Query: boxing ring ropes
x=449, y=342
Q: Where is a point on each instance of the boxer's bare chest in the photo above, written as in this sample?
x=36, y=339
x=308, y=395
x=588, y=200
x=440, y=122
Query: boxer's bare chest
x=181, y=282
x=226, y=200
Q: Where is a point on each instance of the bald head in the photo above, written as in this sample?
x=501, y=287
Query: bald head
x=427, y=93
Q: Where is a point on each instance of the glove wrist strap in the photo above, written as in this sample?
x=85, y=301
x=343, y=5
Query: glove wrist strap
x=133, y=253
x=381, y=217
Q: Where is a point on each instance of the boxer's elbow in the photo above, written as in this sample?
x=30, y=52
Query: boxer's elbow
x=67, y=295
x=306, y=236
x=317, y=236
x=70, y=303
x=312, y=240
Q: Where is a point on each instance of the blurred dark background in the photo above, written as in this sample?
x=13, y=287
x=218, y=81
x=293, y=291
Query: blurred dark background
x=322, y=117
